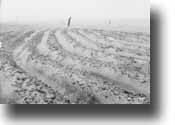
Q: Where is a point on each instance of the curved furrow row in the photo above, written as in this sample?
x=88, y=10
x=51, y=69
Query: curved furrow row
x=27, y=88
x=90, y=63
x=83, y=67
x=118, y=45
x=82, y=40
x=125, y=55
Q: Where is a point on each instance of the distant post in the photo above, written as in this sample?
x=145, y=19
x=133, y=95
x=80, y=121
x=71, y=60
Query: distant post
x=109, y=22
x=69, y=21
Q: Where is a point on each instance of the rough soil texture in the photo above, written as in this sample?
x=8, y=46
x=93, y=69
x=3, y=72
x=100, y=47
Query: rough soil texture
x=73, y=66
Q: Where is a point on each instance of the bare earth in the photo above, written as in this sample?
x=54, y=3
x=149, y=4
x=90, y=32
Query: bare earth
x=73, y=66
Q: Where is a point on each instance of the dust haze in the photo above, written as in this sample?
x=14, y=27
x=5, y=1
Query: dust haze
x=75, y=52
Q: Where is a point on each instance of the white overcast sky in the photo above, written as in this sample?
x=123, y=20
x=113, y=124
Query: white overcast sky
x=40, y=10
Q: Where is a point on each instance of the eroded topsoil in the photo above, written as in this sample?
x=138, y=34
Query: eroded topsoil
x=74, y=66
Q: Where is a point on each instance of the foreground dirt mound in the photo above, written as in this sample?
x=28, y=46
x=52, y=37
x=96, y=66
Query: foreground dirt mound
x=75, y=66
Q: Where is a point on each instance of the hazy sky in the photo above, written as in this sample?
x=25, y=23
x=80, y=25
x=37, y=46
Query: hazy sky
x=42, y=10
